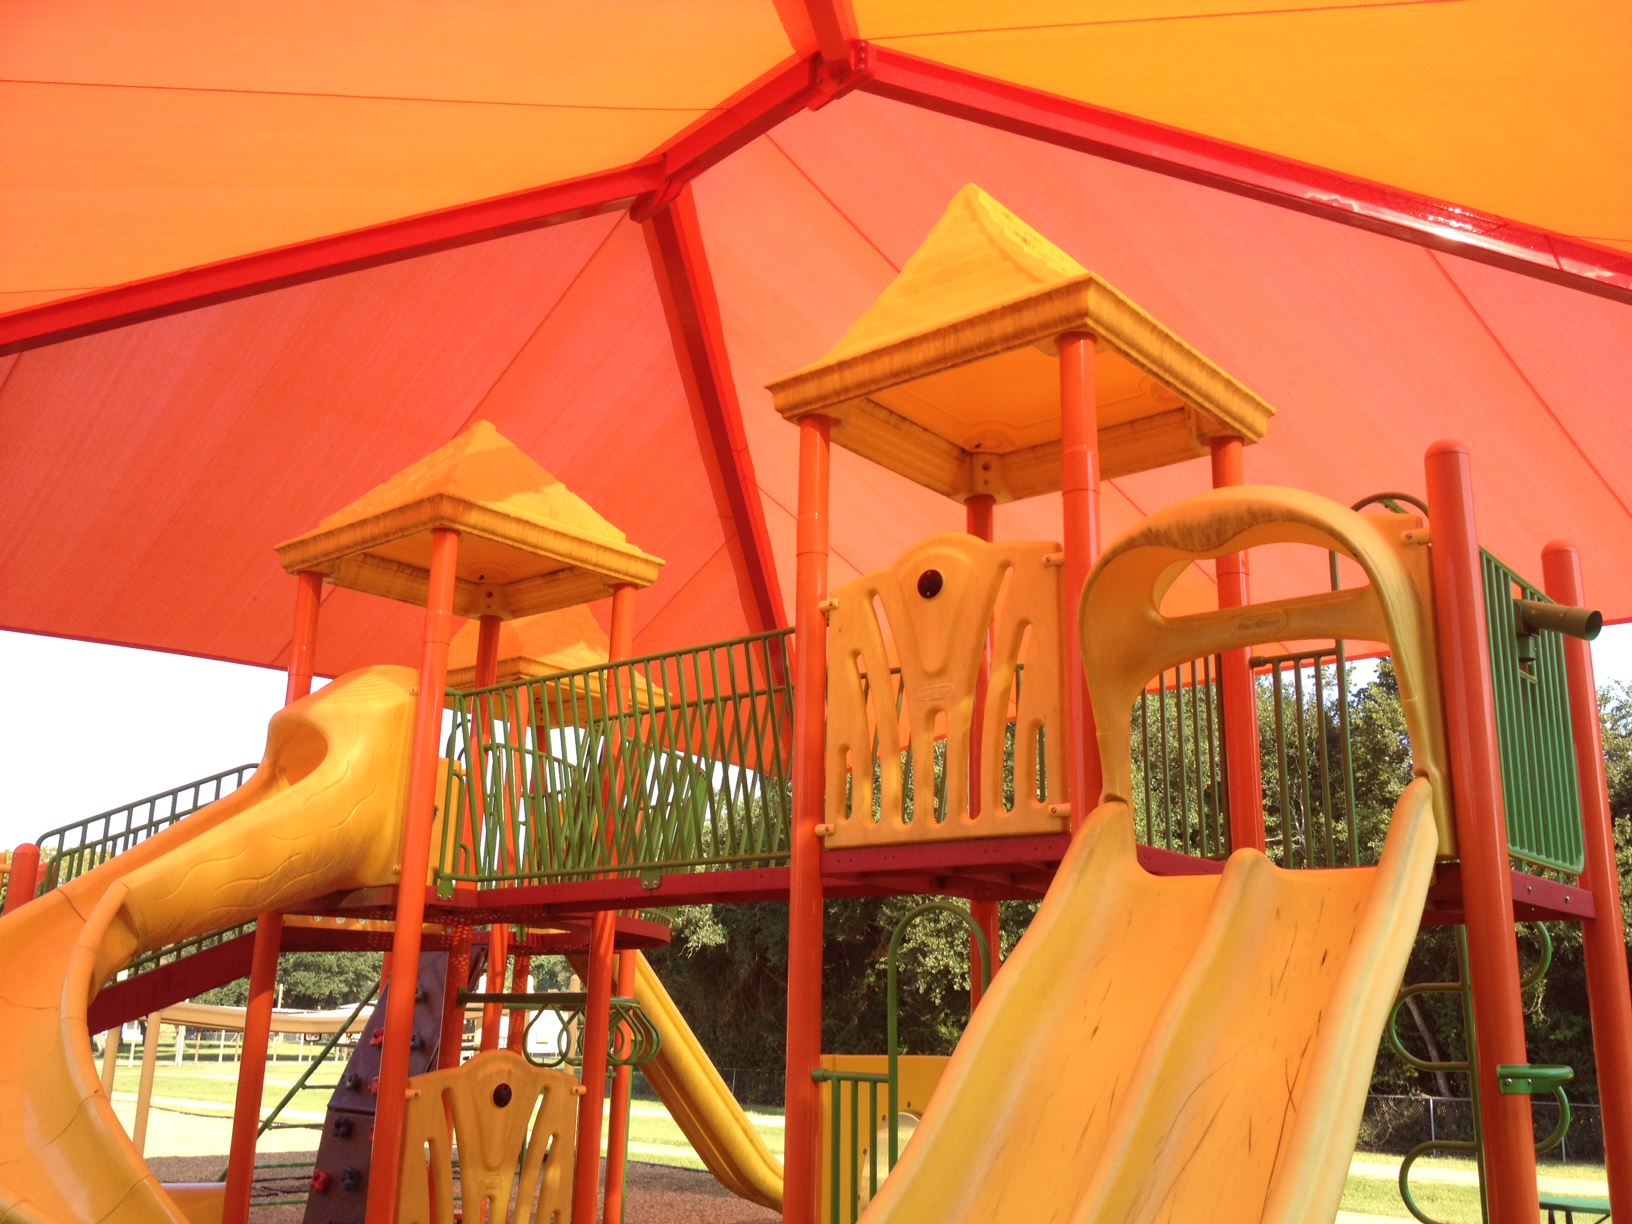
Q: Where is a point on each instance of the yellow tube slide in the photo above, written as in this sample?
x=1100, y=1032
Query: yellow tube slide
x=1192, y=1049
x=322, y=813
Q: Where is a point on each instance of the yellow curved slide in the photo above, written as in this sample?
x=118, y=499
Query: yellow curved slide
x=1192, y=1049
x=322, y=813
x=686, y=1081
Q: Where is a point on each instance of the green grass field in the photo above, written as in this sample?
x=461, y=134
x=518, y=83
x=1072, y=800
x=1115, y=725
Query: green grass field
x=1444, y=1187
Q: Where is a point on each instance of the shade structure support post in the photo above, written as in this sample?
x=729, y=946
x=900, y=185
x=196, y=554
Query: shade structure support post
x=263, y=964
x=1079, y=493
x=385, y=1170
x=804, y=1048
x=685, y=284
x=617, y=1133
x=977, y=516
x=144, y=1085
x=521, y=976
x=25, y=870
x=1481, y=833
x=1609, y=996
x=1239, y=697
x=598, y=1024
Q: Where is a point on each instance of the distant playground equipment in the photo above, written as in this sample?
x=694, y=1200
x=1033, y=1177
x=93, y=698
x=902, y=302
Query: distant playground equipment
x=1187, y=1028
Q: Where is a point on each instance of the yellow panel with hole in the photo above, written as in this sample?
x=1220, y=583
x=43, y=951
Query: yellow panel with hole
x=1127, y=586
x=491, y=1100
x=923, y=624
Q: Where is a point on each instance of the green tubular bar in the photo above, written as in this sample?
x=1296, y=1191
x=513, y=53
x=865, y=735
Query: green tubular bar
x=672, y=762
x=634, y=1041
x=1180, y=804
x=846, y=1086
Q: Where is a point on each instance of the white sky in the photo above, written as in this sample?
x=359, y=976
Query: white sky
x=87, y=727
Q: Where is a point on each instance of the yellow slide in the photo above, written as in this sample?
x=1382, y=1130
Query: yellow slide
x=686, y=1082
x=322, y=813
x=1193, y=1049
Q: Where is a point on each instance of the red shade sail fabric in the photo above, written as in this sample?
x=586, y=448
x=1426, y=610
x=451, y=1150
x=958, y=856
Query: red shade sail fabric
x=148, y=470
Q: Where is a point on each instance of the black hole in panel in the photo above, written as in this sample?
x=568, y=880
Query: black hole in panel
x=930, y=583
x=501, y=1095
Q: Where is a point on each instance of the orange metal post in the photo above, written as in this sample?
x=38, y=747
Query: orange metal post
x=498, y=937
x=617, y=1134
x=25, y=870
x=977, y=517
x=263, y=965
x=1241, y=762
x=1079, y=491
x=521, y=980
x=1481, y=832
x=802, y=1146
x=1609, y=996
x=386, y=1165
x=598, y=1006
x=450, y=1048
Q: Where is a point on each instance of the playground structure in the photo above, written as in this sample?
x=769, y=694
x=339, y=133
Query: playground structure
x=872, y=760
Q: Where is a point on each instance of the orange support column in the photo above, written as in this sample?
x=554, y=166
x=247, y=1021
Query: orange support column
x=977, y=512
x=1242, y=765
x=802, y=1147
x=521, y=980
x=617, y=1133
x=386, y=1165
x=263, y=965
x=1079, y=491
x=598, y=986
x=1609, y=996
x=25, y=869
x=1481, y=833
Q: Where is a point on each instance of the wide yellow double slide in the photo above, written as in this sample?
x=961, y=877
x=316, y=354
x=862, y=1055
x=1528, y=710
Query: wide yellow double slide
x=1193, y=1049
x=323, y=812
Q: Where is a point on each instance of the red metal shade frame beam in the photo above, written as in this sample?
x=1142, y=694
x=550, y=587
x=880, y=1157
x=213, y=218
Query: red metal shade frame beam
x=686, y=286
x=1239, y=170
x=644, y=186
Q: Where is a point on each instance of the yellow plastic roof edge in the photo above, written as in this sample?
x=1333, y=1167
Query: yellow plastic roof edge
x=323, y=549
x=518, y=669
x=1085, y=303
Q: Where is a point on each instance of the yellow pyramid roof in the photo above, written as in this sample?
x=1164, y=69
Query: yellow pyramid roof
x=951, y=377
x=527, y=544
x=533, y=646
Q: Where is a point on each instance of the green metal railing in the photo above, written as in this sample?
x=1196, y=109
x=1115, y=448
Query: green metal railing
x=1539, y=784
x=1180, y=793
x=73, y=849
x=845, y=1088
x=672, y=762
x=1308, y=761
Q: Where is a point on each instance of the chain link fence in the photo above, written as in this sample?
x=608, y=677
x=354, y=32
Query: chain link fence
x=1396, y=1124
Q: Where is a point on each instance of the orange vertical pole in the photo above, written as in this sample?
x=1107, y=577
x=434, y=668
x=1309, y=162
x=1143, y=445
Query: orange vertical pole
x=1609, y=996
x=598, y=1006
x=1079, y=491
x=977, y=518
x=1241, y=762
x=25, y=870
x=263, y=964
x=386, y=1165
x=617, y=1134
x=1481, y=832
x=802, y=1136
x=521, y=980
x=498, y=935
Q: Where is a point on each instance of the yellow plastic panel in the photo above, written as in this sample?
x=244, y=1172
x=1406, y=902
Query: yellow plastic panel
x=491, y=1100
x=939, y=641
x=323, y=812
